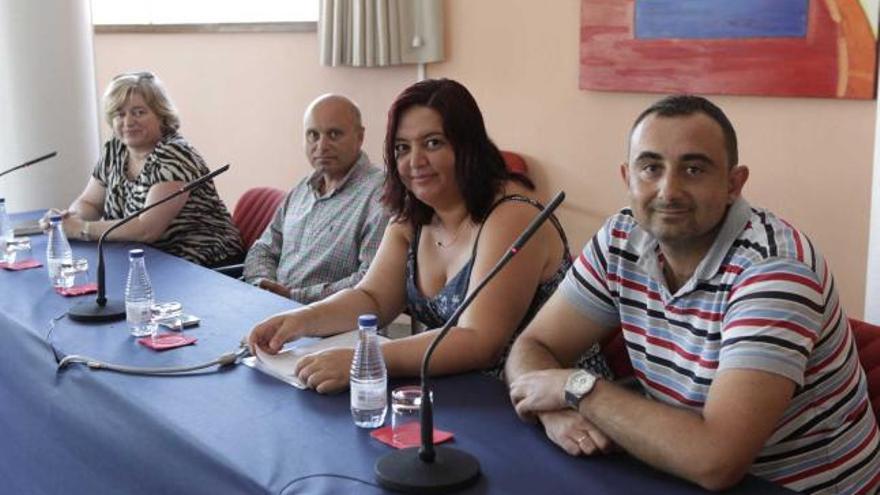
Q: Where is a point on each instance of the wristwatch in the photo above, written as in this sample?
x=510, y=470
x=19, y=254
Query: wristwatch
x=84, y=231
x=577, y=386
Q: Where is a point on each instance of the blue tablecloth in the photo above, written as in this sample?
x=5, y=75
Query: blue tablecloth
x=236, y=430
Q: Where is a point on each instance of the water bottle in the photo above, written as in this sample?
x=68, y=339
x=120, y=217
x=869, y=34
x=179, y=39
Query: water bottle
x=138, y=296
x=6, y=233
x=57, y=252
x=369, y=379
x=6, y=229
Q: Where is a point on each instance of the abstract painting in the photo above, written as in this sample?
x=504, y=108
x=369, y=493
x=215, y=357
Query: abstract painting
x=819, y=48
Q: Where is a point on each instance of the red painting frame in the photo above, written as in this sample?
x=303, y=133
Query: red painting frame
x=837, y=58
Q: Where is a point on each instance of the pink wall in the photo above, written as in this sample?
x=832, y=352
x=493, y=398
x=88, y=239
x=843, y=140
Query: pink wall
x=242, y=96
x=811, y=159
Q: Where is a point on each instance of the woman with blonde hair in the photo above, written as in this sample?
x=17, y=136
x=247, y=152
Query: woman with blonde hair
x=146, y=160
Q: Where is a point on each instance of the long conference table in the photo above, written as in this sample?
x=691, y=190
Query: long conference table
x=233, y=430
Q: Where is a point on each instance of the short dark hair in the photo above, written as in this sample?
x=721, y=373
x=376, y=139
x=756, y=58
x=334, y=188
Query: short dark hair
x=480, y=170
x=685, y=105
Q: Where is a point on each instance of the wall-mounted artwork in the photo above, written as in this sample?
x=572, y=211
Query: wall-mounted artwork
x=822, y=48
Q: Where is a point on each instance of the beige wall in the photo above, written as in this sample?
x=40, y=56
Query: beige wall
x=242, y=95
x=811, y=159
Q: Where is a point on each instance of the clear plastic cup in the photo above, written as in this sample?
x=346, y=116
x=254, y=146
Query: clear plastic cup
x=74, y=273
x=406, y=403
x=168, y=315
x=18, y=249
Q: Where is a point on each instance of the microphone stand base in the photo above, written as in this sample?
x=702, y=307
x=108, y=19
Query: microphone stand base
x=90, y=312
x=403, y=471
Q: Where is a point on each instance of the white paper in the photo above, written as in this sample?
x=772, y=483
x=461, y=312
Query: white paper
x=283, y=364
x=31, y=227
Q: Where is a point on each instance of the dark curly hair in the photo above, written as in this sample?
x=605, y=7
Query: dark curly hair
x=480, y=170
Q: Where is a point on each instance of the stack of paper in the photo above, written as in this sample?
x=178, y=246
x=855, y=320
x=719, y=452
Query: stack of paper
x=283, y=364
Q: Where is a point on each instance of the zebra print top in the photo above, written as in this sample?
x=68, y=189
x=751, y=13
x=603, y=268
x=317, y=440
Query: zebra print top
x=203, y=231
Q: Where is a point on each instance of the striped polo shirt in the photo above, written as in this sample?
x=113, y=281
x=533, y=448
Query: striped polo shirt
x=762, y=298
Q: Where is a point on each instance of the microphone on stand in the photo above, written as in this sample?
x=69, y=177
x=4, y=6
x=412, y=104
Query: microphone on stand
x=429, y=469
x=102, y=309
x=28, y=163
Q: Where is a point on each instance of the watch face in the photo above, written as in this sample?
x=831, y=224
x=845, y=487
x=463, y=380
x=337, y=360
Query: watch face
x=581, y=383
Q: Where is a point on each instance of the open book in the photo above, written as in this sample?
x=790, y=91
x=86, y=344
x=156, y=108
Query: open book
x=282, y=365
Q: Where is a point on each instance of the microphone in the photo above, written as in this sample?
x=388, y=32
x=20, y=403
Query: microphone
x=102, y=310
x=427, y=469
x=28, y=163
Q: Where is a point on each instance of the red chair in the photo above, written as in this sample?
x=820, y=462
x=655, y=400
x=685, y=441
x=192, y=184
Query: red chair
x=868, y=343
x=614, y=350
x=254, y=211
x=515, y=163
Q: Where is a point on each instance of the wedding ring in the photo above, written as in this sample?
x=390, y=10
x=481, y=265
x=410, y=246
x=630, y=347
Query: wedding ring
x=580, y=439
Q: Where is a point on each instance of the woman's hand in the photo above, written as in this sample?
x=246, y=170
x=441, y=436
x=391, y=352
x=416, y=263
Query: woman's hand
x=272, y=333
x=73, y=226
x=51, y=212
x=327, y=371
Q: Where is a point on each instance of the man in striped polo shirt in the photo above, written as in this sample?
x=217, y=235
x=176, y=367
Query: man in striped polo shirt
x=732, y=323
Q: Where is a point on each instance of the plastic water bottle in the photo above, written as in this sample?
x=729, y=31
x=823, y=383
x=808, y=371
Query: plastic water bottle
x=57, y=252
x=138, y=296
x=6, y=229
x=369, y=379
x=6, y=232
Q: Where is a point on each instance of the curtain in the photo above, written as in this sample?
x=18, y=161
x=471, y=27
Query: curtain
x=374, y=33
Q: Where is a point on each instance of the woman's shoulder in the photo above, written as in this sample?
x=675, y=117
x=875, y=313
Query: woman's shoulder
x=514, y=210
x=510, y=214
x=113, y=146
x=401, y=230
x=516, y=200
x=174, y=149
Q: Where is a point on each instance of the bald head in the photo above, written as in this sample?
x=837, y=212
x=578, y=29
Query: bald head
x=333, y=135
x=337, y=102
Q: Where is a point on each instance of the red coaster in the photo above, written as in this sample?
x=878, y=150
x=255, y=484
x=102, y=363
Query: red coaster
x=166, y=341
x=20, y=265
x=78, y=290
x=410, y=436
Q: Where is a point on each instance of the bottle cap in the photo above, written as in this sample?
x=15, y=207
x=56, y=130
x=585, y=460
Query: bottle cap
x=135, y=253
x=368, y=320
x=55, y=218
x=2, y=201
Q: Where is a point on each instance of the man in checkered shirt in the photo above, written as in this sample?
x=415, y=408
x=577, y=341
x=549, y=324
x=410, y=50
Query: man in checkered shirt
x=325, y=234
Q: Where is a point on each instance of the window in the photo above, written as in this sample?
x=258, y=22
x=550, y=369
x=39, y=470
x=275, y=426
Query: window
x=182, y=13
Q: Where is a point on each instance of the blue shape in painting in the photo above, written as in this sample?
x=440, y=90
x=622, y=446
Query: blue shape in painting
x=714, y=19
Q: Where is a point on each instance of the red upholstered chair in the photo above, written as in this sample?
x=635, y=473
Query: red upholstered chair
x=868, y=343
x=515, y=163
x=252, y=214
x=254, y=211
x=614, y=350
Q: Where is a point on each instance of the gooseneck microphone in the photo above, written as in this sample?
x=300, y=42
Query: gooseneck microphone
x=103, y=310
x=28, y=163
x=430, y=469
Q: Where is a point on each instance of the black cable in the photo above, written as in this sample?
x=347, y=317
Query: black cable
x=328, y=475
